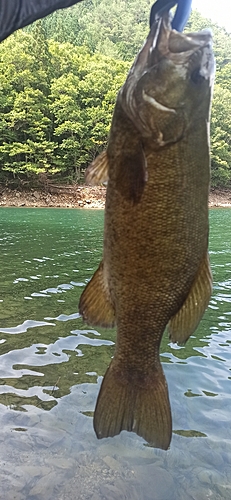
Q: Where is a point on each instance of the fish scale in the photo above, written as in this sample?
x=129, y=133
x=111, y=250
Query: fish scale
x=155, y=271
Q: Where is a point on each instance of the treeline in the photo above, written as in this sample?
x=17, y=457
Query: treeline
x=58, y=83
x=56, y=103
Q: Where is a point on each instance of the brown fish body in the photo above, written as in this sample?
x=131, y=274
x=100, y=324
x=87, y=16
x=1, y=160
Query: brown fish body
x=155, y=268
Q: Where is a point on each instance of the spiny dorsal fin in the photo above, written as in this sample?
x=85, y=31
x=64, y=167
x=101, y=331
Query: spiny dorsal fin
x=97, y=171
x=185, y=322
x=95, y=304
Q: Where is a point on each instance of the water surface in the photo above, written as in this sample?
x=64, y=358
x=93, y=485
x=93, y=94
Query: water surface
x=51, y=367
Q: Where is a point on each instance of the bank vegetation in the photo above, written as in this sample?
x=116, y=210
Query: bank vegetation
x=58, y=84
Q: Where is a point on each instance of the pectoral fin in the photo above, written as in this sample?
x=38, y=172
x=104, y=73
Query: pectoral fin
x=132, y=173
x=97, y=172
x=185, y=322
x=95, y=304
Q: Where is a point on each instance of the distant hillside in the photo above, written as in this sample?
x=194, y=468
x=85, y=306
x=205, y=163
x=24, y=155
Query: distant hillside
x=119, y=27
x=59, y=80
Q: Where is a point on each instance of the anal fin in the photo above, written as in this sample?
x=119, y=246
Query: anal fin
x=185, y=322
x=95, y=304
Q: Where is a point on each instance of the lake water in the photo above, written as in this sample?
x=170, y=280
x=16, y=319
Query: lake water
x=51, y=367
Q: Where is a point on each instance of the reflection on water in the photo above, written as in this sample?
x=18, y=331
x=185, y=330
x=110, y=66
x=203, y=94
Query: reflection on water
x=51, y=367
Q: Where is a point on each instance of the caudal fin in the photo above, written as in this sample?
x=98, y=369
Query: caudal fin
x=142, y=407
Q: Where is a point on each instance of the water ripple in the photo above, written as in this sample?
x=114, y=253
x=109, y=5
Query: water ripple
x=24, y=326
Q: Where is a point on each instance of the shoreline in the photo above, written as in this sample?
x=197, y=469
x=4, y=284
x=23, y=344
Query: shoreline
x=55, y=197
x=82, y=197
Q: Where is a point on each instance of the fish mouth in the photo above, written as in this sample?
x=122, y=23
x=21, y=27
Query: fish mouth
x=192, y=51
x=171, y=75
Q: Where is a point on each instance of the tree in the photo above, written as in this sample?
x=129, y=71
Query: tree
x=117, y=28
x=221, y=137
x=25, y=145
x=57, y=99
x=82, y=103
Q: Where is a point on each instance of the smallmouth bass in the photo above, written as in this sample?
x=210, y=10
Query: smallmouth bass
x=155, y=270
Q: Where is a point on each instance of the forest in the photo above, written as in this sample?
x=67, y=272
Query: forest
x=59, y=81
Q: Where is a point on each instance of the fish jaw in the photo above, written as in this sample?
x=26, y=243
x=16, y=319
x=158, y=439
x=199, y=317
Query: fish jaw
x=170, y=81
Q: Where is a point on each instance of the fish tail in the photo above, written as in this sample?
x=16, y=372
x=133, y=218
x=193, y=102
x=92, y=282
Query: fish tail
x=140, y=406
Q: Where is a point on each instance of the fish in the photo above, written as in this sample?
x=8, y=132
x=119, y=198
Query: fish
x=155, y=272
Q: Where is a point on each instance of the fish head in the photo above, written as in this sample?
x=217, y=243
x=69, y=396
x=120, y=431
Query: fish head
x=170, y=84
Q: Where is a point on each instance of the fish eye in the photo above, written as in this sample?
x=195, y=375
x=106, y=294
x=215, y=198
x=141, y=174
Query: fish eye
x=196, y=76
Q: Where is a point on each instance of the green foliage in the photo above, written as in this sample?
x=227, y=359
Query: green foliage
x=82, y=102
x=59, y=80
x=116, y=29
x=25, y=144
x=56, y=104
x=221, y=137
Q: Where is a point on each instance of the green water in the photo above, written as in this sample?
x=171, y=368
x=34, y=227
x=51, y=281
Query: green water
x=51, y=367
